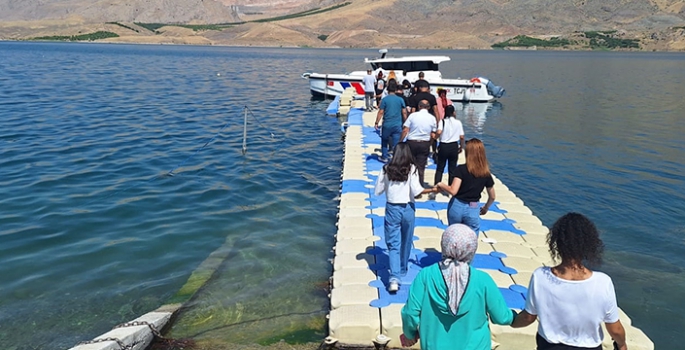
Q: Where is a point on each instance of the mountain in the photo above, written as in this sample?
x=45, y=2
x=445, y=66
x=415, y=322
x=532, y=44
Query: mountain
x=655, y=24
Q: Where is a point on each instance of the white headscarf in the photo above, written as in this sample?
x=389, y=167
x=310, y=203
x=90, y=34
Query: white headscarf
x=459, y=244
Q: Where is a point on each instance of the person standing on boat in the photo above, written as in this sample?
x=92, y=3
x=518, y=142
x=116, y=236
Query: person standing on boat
x=420, y=81
x=369, y=89
x=419, y=129
x=443, y=102
x=469, y=181
x=392, y=76
x=400, y=182
x=380, y=88
x=393, y=113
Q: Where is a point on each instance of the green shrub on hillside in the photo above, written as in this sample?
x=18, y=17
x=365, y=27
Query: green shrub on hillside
x=605, y=40
x=83, y=37
x=526, y=41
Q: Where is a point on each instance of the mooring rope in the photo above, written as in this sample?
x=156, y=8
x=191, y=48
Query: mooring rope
x=171, y=172
x=260, y=123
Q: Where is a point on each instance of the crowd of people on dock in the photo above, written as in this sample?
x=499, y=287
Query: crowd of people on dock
x=450, y=303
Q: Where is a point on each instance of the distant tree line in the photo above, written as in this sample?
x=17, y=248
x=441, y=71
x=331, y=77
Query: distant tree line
x=597, y=40
x=83, y=37
x=526, y=41
x=605, y=39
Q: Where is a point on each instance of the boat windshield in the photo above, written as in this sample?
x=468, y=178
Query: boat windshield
x=409, y=66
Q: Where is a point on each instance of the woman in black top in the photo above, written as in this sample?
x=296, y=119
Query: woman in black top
x=467, y=185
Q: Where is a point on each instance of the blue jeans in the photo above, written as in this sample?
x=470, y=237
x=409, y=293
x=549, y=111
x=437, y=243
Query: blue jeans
x=399, y=234
x=459, y=212
x=390, y=136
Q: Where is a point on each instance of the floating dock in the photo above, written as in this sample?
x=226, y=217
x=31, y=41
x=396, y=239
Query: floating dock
x=512, y=244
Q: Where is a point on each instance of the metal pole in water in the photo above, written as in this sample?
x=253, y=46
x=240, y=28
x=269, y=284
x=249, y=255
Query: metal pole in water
x=245, y=132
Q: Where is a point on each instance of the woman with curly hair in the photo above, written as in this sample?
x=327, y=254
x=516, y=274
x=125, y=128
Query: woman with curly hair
x=467, y=184
x=399, y=179
x=570, y=300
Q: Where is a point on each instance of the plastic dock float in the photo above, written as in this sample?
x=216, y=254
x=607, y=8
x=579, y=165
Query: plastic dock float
x=363, y=314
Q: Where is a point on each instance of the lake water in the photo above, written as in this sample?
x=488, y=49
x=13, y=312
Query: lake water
x=94, y=232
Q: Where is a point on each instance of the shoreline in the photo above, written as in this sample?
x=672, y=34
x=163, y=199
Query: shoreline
x=286, y=46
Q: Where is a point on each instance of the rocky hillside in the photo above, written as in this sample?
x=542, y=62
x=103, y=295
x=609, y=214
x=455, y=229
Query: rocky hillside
x=655, y=24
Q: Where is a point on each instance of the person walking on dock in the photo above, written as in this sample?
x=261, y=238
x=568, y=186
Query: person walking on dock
x=569, y=300
x=425, y=94
x=369, y=89
x=399, y=181
x=419, y=129
x=380, y=88
x=451, y=135
x=393, y=113
x=441, y=311
x=467, y=185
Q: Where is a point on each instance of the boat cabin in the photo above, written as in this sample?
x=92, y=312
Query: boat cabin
x=407, y=64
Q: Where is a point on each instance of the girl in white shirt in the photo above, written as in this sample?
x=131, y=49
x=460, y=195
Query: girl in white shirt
x=569, y=300
x=399, y=179
x=451, y=135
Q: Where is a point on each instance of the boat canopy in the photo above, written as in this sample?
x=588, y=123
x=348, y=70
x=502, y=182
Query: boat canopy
x=407, y=64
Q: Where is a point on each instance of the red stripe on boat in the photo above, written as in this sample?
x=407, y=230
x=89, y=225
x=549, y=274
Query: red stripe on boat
x=358, y=87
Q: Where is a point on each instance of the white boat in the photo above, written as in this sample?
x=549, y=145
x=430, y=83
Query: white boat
x=477, y=89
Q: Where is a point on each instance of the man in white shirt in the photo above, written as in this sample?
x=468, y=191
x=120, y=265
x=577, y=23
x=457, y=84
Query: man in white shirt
x=369, y=89
x=419, y=129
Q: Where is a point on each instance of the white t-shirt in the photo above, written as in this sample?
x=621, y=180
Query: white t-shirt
x=399, y=192
x=571, y=312
x=369, y=83
x=420, y=125
x=453, y=130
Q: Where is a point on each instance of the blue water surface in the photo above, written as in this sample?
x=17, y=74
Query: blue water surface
x=94, y=231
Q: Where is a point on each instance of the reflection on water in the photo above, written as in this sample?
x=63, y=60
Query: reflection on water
x=474, y=115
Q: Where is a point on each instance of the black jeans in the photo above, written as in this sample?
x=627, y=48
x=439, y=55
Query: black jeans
x=544, y=345
x=447, y=153
x=420, y=150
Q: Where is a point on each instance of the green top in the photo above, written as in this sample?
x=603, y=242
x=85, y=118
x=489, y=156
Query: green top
x=428, y=307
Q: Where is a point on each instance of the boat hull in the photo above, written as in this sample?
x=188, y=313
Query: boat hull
x=459, y=90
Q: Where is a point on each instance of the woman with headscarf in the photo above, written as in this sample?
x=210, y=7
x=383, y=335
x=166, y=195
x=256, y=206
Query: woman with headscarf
x=469, y=181
x=441, y=311
x=570, y=300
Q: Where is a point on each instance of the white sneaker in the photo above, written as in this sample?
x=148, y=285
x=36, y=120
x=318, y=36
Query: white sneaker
x=393, y=287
